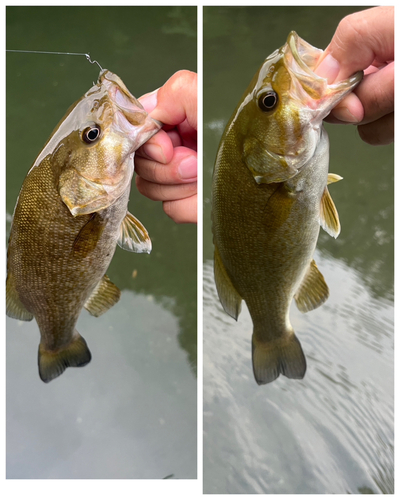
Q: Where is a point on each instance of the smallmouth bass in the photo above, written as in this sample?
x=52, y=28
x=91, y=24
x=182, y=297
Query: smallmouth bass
x=70, y=214
x=269, y=199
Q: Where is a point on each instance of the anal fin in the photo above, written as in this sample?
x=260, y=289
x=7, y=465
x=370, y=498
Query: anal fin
x=229, y=297
x=133, y=236
x=313, y=290
x=103, y=297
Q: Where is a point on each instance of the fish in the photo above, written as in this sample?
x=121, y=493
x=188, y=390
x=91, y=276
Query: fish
x=71, y=212
x=269, y=200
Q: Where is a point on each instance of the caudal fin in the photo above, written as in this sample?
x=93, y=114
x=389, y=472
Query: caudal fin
x=279, y=356
x=53, y=363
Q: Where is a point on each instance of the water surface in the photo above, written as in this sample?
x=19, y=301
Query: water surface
x=332, y=432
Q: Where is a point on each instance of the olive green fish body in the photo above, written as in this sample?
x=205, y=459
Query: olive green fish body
x=70, y=214
x=269, y=200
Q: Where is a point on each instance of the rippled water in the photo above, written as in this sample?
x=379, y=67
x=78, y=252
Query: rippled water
x=131, y=413
x=333, y=431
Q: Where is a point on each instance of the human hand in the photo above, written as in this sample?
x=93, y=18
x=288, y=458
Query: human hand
x=166, y=165
x=364, y=41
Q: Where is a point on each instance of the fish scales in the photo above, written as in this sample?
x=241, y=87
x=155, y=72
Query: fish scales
x=70, y=214
x=269, y=198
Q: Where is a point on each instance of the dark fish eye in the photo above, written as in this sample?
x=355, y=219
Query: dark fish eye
x=268, y=101
x=91, y=134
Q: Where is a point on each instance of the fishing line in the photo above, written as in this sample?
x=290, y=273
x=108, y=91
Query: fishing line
x=59, y=53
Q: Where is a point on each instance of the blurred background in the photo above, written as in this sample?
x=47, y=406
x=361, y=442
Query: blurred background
x=131, y=413
x=333, y=431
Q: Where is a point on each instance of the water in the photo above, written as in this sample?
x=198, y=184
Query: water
x=131, y=413
x=332, y=432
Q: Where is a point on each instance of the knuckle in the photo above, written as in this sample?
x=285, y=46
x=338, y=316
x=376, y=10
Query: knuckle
x=183, y=78
x=171, y=208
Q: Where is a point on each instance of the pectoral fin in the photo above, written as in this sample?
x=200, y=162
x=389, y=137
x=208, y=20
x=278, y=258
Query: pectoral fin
x=81, y=195
x=133, y=236
x=88, y=237
x=313, y=290
x=103, y=297
x=229, y=297
x=329, y=218
x=14, y=307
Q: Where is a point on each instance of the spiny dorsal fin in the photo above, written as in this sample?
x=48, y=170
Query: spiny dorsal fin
x=313, y=290
x=103, y=297
x=329, y=218
x=229, y=297
x=14, y=307
x=133, y=236
x=334, y=178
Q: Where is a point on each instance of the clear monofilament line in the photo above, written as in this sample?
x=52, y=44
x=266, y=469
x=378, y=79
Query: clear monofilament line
x=58, y=53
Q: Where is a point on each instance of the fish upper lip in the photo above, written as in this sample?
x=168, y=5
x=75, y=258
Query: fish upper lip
x=294, y=41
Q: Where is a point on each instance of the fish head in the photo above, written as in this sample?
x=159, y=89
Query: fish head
x=93, y=147
x=280, y=117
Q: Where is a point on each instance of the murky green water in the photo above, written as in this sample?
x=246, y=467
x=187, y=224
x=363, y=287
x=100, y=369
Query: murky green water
x=333, y=431
x=131, y=413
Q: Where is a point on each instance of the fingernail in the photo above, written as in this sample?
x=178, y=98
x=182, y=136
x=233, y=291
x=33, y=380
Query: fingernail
x=188, y=168
x=149, y=101
x=343, y=114
x=329, y=68
x=154, y=152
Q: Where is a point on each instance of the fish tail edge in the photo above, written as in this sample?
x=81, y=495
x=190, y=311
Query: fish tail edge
x=280, y=356
x=53, y=364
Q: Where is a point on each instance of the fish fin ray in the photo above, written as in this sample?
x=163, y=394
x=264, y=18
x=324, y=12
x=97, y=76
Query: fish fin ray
x=313, y=290
x=89, y=235
x=329, y=218
x=282, y=356
x=103, y=297
x=230, y=299
x=14, y=307
x=133, y=236
x=53, y=364
x=334, y=178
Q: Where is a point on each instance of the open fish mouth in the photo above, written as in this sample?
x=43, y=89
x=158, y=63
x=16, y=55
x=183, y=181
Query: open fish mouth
x=131, y=118
x=301, y=60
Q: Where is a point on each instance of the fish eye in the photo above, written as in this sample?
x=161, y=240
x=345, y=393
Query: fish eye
x=267, y=101
x=91, y=134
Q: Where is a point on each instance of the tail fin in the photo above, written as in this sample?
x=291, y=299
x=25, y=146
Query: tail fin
x=53, y=363
x=278, y=356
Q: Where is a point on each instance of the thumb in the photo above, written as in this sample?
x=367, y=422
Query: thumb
x=176, y=100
